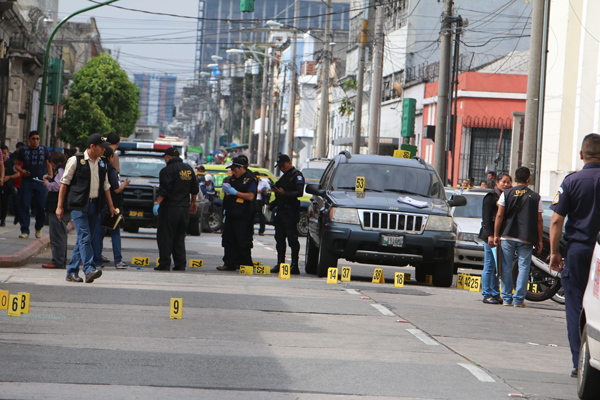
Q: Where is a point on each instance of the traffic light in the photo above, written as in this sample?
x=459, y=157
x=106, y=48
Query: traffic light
x=247, y=6
x=55, y=73
x=409, y=107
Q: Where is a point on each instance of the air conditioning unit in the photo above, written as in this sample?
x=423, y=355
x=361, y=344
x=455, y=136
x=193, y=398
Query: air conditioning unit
x=277, y=39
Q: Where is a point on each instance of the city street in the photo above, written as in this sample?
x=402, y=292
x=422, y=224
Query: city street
x=259, y=337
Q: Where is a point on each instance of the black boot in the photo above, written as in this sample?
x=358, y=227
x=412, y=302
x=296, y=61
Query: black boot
x=295, y=270
x=275, y=269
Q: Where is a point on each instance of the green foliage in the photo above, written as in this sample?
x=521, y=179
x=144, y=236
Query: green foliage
x=101, y=99
x=349, y=84
x=346, y=107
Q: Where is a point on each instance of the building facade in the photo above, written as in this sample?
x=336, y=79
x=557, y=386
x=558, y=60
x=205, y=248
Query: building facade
x=157, y=99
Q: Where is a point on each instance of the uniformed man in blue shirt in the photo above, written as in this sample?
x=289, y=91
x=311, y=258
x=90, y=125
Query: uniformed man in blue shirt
x=578, y=198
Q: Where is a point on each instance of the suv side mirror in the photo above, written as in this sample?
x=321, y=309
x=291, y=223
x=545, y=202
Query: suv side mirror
x=315, y=190
x=457, y=201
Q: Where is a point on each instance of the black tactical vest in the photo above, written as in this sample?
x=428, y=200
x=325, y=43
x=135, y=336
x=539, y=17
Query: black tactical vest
x=79, y=189
x=237, y=207
x=523, y=223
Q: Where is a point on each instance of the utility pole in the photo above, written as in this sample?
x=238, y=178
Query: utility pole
x=251, y=146
x=277, y=142
x=214, y=143
x=439, y=156
x=359, y=88
x=244, y=105
x=260, y=152
x=533, y=88
x=272, y=116
x=376, y=82
x=291, y=122
x=324, y=112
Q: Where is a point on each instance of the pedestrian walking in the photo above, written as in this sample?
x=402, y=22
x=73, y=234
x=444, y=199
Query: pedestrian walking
x=14, y=199
x=287, y=191
x=58, y=228
x=8, y=188
x=518, y=228
x=489, y=276
x=113, y=139
x=240, y=192
x=116, y=194
x=33, y=162
x=173, y=207
x=578, y=198
x=85, y=190
x=263, y=194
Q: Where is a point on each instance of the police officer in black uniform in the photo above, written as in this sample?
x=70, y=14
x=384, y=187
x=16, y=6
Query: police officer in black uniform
x=255, y=205
x=287, y=190
x=578, y=198
x=236, y=238
x=177, y=182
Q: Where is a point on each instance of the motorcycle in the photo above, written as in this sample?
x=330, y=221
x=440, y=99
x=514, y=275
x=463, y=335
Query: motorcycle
x=214, y=214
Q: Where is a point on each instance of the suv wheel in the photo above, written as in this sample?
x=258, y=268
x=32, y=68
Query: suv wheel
x=588, y=376
x=215, y=221
x=302, y=224
x=421, y=272
x=131, y=228
x=311, y=257
x=326, y=260
x=443, y=274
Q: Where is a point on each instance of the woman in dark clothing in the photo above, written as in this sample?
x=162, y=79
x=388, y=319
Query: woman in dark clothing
x=489, y=278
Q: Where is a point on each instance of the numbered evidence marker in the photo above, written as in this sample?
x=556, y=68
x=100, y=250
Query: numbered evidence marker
x=360, y=184
x=332, y=276
x=24, y=299
x=378, y=276
x=406, y=277
x=246, y=269
x=459, y=281
x=141, y=261
x=284, y=271
x=530, y=288
x=428, y=278
x=3, y=299
x=467, y=282
x=263, y=270
x=196, y=264
x=256, y=264
x=346, y=272
x=399, y=279
x=176, y=308
x=14, y=305
x=475, y=284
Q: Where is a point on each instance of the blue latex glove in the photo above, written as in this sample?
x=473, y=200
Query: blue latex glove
x=224, y=211
x=155, y=209
x=231, y=191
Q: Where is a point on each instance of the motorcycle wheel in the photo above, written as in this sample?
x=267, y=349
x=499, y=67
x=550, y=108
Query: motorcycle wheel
x=215, y=221
x=559, y=297
x=546, y=285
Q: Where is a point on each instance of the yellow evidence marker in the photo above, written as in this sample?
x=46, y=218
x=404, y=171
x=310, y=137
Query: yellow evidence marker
x=3, y=299
x=332, y=276
x=256, y=264
x=24, y=298
x=284, y=271
x=263, y=270
x=14, y=309
x=475, y=284
x=346, y=272
x=176, y=308
x=157, y=261
x=360, y=184
x=459, y=281
x=399, y=279
x=467, y=282
x=196, y=264
x=406, y=277
x=378, y=276
x=428, y=279
x=246, y=269
x=140, y=261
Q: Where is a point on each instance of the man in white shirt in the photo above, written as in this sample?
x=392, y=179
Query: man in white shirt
x=85, y=190
x=263, y=186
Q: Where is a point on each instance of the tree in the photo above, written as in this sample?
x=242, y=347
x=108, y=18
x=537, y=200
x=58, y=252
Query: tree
x=101, y=99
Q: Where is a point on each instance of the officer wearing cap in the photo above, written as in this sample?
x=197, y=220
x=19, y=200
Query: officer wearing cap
x=85, y=187
x=239, y=192
x=287, y=191
x=578, y=198
x=255, y=205
x=173, y=207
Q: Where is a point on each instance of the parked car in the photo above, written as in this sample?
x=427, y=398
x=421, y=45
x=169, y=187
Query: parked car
x=588, y=374
x=469, y=250
x=375, y=226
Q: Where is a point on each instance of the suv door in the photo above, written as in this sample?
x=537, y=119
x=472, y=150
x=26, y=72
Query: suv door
x=318, y=204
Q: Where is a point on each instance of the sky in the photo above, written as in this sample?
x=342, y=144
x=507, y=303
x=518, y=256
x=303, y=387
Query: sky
x=145, y=43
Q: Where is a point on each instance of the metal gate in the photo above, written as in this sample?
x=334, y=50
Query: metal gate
x=484, y=152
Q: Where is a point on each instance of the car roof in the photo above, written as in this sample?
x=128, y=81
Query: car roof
x=223, y=169
x=371, y=159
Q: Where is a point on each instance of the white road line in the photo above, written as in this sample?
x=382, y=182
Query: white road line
x=352, y=291
x=478, y=372
x=423, y=337
x=383, y=310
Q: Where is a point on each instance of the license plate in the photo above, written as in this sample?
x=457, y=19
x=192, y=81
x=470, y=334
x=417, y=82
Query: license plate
x=392, y=241
x=136, y=213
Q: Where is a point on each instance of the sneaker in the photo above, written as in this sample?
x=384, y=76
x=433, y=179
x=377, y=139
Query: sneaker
x=93, y=274
x=105, y=260
x=522, y=305
x=74, y=278
x=24, y=236
x=574, y=373
x=506, y=304
x=121, y=265
x=38, y=234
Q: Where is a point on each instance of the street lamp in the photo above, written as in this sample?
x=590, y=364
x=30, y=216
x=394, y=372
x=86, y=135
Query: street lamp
x=47, y=19
x=274, y=24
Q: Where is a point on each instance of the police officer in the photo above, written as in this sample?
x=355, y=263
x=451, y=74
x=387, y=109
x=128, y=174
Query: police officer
x=287, y=190
x=255, y=205
x=173, y=207
x=578, y=198
x=239, y=192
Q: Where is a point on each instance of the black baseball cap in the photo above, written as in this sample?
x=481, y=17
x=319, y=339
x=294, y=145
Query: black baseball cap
x=237, y=162
x=243, y=157
x=113, y=138
x=172, y=151
x=95, y=139
x=282, y=159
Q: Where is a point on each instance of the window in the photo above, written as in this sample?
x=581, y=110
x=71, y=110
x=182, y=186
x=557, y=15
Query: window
x=395, y=15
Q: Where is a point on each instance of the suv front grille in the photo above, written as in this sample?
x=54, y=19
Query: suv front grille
x=392, y=221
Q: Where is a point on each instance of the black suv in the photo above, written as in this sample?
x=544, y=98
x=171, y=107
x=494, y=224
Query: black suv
x=373, y=226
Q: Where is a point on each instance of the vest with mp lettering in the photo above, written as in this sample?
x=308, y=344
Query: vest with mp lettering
x=523, y=223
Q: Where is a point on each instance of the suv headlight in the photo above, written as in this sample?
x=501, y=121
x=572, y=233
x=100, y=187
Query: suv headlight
x=467, y=237
x=439, y=223
x=344, y=215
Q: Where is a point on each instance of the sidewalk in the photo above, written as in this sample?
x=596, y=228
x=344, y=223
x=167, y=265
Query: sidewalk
x=15, y=252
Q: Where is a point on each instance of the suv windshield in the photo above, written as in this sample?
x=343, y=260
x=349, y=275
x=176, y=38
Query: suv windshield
x=312, y=174
x=137, y=167
x=473, y=209
x=380, y=177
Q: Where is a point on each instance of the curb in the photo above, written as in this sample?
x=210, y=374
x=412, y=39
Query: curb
x=24, y=256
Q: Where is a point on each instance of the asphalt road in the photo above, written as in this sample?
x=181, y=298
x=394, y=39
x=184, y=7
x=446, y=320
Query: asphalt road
x=259, y=337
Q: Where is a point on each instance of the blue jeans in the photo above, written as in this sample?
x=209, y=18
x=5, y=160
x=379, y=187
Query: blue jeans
x=524, y=252
x=489, y=278
x=83, y=253
x=28, y=190
x=97, y=242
